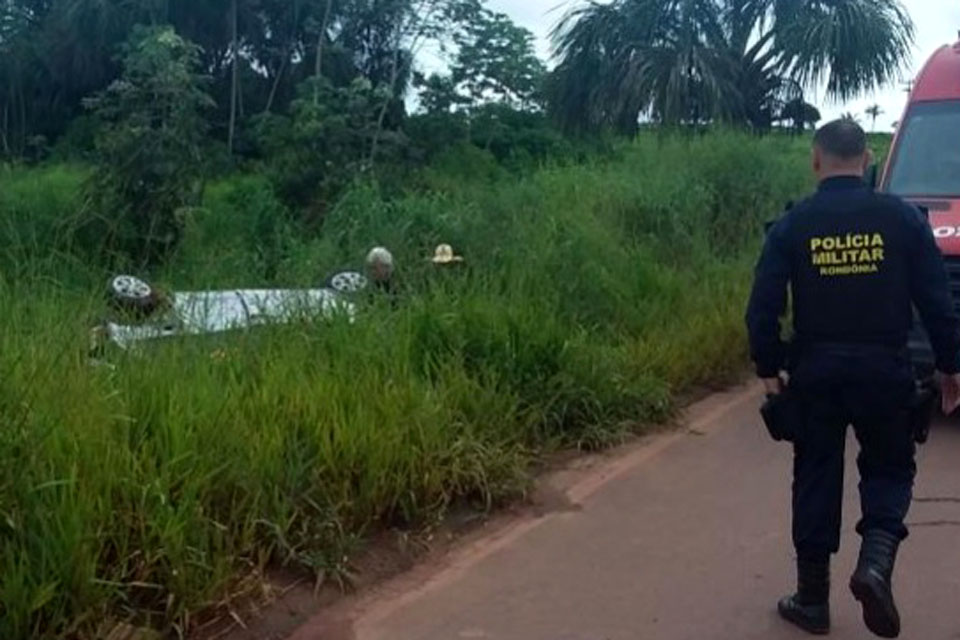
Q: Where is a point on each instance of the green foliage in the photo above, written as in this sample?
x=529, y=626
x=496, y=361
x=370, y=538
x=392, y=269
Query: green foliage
x=327, y=140
x=801, y=114
x=517, y=139
x=491, y=96
x=733, y=60
x=149, y=154
x=35, y=207
x=241, y=228
x=311, y=92
x=591, y=297
x=494, y=61
x=855, y=45
x=55, y=54
x=432, y=134
x=438, y=94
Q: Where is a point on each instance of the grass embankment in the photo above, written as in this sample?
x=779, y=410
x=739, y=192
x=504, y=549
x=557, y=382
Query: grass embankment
x=592, y=295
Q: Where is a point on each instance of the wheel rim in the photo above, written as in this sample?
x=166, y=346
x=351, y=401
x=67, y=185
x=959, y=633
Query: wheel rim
x=349, y=282
x=130, y=287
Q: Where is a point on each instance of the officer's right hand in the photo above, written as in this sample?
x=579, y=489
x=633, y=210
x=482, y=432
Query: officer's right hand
x=950, y=393
x=773, y=386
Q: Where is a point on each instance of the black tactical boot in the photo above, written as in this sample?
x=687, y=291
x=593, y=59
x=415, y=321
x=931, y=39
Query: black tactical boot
x=871, y=583
x=809, y=608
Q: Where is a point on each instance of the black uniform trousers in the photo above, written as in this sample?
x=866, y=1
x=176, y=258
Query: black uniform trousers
x=870, y=389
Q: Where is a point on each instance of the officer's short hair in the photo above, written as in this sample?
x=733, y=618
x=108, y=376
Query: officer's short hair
x=843, y=139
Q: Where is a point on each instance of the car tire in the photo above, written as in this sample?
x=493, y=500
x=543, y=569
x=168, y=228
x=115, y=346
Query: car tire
x=131, y=294
x=349, y=282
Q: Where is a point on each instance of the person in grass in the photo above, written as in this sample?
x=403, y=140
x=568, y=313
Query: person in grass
x=380, y=269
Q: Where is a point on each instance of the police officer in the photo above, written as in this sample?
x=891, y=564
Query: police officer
x=855, y=262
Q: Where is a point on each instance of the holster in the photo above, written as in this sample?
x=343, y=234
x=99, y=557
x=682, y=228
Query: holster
x=783, y=416
x=920, y=412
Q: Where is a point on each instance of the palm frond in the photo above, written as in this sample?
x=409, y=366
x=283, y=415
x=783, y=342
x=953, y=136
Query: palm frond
x=852, y=45
x=738, y=60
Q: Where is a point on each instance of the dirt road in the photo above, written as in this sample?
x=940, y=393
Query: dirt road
x=684, y=537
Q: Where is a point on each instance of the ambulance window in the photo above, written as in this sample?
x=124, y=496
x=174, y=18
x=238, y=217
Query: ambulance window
x=927, y=161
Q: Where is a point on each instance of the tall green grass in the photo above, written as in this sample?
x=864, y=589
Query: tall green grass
x=591, y=296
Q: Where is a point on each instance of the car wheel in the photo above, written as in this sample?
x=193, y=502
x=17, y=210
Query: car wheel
x=349, y=282
x=129, y=293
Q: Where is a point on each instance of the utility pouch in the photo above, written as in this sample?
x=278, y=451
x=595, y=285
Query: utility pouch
x=782, y=415
x=923, y=406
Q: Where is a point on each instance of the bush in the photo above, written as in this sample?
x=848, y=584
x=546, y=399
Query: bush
x=148, y=149
x=434, y=133
x=327, y=141
x=519, y=140
x=241, y=228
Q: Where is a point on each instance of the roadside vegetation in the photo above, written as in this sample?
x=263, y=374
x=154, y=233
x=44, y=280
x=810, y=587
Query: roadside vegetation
x=591, y=297
x=248, y=144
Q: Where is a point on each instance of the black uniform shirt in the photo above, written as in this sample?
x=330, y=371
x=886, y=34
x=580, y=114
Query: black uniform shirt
x=856, y=263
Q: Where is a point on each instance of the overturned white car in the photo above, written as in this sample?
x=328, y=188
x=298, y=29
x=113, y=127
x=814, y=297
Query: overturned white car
x=149, y=315
x=146, y=313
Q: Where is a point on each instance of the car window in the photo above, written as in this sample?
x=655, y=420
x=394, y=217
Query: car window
x=927, y=161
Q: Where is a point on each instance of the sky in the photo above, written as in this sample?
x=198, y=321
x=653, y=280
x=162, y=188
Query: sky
x=937, y=22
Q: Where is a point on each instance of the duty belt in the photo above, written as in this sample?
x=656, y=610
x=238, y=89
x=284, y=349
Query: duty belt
x=853, y=349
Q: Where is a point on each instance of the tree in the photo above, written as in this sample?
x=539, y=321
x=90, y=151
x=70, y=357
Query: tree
x=13, y=119
x=492, y=60
x=801, y=114
x=54, y=53
x=234, y=72
x=438, y=93
x=495, y=60
x=874, y=111
x=492, y=96
x=324, y=143
x=149, y=154
x=736, y=60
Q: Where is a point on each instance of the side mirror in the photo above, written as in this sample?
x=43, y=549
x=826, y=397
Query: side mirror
x=872, y=176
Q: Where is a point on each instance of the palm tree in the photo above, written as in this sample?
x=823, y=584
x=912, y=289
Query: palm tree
x=874, y=112
x=736, y=60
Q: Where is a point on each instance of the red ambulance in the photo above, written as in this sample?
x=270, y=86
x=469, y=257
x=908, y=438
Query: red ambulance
x=924, y=167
